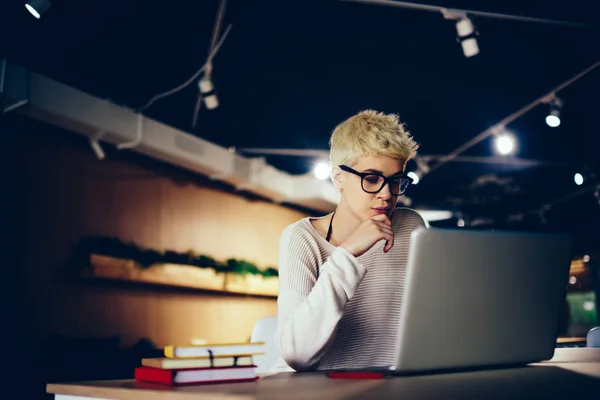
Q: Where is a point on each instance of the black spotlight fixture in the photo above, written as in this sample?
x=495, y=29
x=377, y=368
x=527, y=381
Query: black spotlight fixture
x=37, y=8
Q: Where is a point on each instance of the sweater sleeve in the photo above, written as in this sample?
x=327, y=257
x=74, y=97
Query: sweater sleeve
x=309, y=309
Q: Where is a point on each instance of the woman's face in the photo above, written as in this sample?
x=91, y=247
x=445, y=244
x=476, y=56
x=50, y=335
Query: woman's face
x=366, y=205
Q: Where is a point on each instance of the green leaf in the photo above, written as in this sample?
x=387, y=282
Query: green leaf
x=113, y=247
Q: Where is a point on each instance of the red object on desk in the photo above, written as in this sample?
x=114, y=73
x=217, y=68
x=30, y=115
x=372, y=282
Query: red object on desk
x=174, y=377
x=355, y=375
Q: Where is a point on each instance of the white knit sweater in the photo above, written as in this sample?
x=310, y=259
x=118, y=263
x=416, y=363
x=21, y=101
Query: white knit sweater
x=336, y=310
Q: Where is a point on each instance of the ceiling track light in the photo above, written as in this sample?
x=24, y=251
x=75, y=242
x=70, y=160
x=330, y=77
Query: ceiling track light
x=95, y=144
x=207, y=90
x=553, y=117
x=37, y=8
x=467, y=33
x=467, y=36
x=460, y=220
x=421, y=170
x=585, y=174
x=414, y=175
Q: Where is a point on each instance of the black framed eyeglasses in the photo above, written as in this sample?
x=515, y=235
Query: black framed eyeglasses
x=372, y=182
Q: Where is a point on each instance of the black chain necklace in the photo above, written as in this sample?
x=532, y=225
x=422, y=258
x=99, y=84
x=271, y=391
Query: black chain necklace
x=330, y=226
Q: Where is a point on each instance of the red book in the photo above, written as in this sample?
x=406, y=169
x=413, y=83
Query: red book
x=174, y=377
x=355, y=375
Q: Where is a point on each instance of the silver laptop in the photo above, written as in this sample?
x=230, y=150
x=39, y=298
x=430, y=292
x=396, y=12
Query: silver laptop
x=481, y=298
x=478, y=299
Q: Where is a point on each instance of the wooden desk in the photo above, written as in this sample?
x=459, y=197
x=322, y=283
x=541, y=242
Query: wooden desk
x=572, y=373
x=567, y=340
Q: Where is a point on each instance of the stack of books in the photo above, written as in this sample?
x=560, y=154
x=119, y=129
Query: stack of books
x=202, y=364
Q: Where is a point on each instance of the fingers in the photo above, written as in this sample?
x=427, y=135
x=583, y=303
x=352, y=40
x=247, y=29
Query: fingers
x=389, y=244
x=384, y=227
x=386, y=233
x=382, y=218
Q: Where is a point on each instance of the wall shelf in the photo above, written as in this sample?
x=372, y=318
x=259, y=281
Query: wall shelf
x=180, y=276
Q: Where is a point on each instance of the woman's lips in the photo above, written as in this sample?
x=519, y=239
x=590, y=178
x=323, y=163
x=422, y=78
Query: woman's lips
x=381, y=210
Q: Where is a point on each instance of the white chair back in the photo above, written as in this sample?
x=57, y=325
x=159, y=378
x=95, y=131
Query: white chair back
x=593, y=337
x=264, y=331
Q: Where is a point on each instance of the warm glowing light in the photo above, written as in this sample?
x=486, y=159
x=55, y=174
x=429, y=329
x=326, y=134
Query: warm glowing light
x=572, y=280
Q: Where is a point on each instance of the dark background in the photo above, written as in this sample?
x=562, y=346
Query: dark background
x=290, y=71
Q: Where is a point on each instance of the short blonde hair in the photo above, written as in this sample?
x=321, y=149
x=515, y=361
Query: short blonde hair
x=370, y=133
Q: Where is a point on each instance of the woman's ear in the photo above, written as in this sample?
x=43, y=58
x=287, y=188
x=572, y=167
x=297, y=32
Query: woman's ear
x=336, y=177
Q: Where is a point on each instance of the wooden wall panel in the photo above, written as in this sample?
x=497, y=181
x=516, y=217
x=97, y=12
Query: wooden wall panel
x=165, y=318
x=67, y=193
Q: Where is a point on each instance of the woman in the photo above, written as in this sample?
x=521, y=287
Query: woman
x=341, y=276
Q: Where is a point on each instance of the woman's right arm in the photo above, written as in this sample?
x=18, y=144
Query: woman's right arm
x=309, y=309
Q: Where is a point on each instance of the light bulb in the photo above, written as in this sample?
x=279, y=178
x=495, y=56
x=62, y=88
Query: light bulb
x=414, y=177
x=321, y=171
x=37, y=8
x=211, y=102
x=464, y=27
x=572, y=280
x=32, y=11
x=470, y=47
x=205, y=85
x=553, y=120
x=505, y=144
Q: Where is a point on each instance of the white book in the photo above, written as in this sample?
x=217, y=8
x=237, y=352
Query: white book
x=218, y=349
